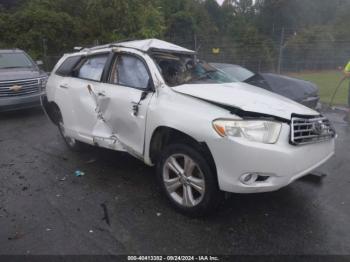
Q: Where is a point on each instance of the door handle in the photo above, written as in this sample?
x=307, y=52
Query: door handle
x=64, y=86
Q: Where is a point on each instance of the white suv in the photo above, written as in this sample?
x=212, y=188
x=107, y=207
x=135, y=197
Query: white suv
x=204, y=133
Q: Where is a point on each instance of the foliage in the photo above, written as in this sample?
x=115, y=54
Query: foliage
x=246, y=31
x=327, y=82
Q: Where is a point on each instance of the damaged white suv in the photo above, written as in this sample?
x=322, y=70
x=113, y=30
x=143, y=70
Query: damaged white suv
x=205, y=134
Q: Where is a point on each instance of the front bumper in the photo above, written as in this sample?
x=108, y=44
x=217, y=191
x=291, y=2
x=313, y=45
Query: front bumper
x=282, y=162
x=19, y=102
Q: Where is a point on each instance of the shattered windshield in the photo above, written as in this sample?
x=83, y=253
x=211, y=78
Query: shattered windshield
x=179, y=69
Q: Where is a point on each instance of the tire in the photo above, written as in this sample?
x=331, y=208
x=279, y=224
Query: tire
x=193, y=192
x=71, y=143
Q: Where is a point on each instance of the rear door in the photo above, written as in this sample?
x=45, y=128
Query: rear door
x=84, y=89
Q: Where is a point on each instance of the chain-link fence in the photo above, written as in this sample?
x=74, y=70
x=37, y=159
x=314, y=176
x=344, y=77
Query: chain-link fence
x=322, y=67
x=261, y=57
x=272, y=56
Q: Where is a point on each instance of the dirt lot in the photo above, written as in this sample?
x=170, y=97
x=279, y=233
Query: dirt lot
x=116, y=208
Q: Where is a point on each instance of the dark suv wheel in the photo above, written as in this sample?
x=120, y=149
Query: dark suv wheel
x=188, y=181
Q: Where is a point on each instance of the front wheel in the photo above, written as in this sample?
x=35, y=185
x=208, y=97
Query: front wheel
x=188, y=181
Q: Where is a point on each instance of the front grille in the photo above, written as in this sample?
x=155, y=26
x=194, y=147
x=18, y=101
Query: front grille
x=311, y=130
x=19, y=87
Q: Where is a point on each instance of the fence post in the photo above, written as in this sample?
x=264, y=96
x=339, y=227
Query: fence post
x=195, y=45
x=45, y=53
x=280, y=56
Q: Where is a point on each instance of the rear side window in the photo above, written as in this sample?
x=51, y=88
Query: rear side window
x=68, y=65
x=92, y=68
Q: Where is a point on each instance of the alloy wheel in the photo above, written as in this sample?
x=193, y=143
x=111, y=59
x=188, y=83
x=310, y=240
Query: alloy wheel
x=184, y=180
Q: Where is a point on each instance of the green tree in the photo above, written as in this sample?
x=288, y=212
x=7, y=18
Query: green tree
x=28, y=27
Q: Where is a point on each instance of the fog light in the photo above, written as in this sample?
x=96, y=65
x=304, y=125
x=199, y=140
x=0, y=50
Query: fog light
x=249, y=178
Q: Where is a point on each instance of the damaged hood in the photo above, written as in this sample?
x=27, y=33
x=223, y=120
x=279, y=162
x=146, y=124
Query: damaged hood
x=247, y=98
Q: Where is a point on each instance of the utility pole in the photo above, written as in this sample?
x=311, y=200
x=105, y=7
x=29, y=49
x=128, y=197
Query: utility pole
x=280, y=56
x=195, y=45
x=45, y=52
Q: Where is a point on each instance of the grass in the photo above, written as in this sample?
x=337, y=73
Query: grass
x=327, y=81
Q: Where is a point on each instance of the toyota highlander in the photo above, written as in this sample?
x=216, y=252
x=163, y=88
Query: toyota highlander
x=204, y=133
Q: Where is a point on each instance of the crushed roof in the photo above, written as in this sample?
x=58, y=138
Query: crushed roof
x=148, y=45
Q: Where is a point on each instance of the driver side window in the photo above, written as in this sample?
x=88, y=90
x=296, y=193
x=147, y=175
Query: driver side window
x=130, y=71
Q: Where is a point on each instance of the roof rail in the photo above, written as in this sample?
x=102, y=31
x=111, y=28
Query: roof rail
x=114, y=44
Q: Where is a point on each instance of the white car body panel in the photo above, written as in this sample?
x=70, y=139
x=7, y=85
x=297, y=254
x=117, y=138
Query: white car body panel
x=246, y=97
x=283, y=162
x=118, y=113
x=105, y=117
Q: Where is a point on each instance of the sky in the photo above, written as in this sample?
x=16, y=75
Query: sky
x=220, y=1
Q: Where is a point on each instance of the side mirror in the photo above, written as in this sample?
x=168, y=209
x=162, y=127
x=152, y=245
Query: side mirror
x=39, y=63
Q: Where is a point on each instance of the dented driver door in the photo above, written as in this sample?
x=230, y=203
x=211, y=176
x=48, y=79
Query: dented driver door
x=127, y=94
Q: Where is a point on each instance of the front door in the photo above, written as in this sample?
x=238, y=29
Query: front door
x=129, y=91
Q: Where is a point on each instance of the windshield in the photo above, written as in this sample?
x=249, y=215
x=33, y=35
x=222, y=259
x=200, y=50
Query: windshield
x=14, y=60
x=240, y=73
x=178, y=69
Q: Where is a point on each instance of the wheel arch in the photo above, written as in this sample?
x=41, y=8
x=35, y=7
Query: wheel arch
x=164, y=135
x=52, y=110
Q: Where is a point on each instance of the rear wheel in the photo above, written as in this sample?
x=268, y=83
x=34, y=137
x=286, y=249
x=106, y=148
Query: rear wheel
x=188, y=181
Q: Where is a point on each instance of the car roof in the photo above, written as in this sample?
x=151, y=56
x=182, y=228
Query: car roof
x=147, y=45
x=7, y=51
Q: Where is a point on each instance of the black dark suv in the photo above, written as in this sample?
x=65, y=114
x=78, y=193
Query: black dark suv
x=21, y=80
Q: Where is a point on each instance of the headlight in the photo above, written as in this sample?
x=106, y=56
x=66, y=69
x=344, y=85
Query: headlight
x=42, y=83
x=254, y=130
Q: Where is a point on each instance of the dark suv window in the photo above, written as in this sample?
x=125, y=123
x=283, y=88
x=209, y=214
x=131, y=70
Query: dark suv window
x=14, y=60
x=68, y=65
x=130, y=71
x=92, y=68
